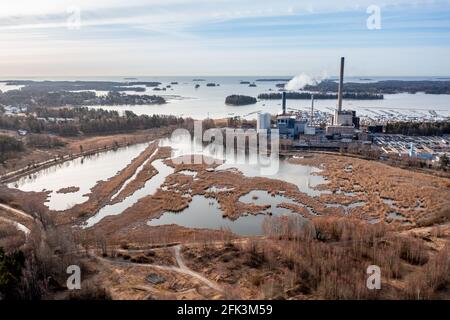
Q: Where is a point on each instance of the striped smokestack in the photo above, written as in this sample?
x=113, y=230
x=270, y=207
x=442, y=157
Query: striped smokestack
x=341, y=85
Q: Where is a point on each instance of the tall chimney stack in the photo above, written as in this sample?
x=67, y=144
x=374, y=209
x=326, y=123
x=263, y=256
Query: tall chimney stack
x=284, y=102
x=341, y=85
x=312, y=111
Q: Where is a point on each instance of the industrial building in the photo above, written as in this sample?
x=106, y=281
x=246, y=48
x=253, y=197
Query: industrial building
x=320, y=130
x=291, y=125
x=344, y=121
x=263, y=122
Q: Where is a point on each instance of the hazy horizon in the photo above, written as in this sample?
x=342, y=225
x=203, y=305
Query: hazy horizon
x=123, y=77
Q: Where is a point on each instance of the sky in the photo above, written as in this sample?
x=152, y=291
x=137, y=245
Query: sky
x=46, y=38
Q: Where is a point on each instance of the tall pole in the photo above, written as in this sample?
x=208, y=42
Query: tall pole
x=341, y=85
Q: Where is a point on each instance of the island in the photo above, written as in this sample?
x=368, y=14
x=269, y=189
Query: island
x=81, y=85
x=386, y=87
x=320, y=96
x=273, y=80
x=239, y=100
x=75, y=93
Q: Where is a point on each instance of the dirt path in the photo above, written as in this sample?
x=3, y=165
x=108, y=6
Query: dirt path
x=192, y=273
x=16, y=211
x=182, y=268
x=18, y=225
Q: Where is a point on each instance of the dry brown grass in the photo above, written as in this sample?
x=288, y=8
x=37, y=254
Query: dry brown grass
x=10, y=238
x=374, y=182
x=68, y=190
x=433, y=281
x=147, y=172
x=324, y=259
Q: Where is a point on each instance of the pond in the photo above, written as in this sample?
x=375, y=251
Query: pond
x=205, y=213
x=149, y=188
x=83, y=173
x=306, y=178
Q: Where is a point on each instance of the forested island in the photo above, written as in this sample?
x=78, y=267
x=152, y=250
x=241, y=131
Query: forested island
x=30, y=98
x=273, y=80
x=76, y=93
x=239, y=100
x=386, y=87
x=82, y=85
x=320, y=96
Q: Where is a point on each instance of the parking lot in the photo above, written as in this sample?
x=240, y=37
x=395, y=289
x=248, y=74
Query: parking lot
x=400, y=144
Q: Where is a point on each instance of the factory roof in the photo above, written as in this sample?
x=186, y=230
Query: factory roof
x=349, y=112
x=285, y=116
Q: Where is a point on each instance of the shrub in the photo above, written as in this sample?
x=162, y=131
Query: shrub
x=11, y=266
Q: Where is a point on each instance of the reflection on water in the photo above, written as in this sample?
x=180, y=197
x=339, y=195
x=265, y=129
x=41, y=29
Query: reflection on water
x=81, y=172
x=304, y=177
x=346, y=207
x=188, y=173
x=204, y=213
x=149, y=188
x=138, y=170
x=299, y=175
x=201, y=213
x=261, y=198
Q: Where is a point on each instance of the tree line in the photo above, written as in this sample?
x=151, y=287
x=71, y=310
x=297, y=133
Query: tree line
x=320, y=96
x=386, y=86
x=8, y=146
x=418, y=128
x=74, y=121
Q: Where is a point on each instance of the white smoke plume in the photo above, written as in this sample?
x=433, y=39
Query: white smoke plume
x=302, y=80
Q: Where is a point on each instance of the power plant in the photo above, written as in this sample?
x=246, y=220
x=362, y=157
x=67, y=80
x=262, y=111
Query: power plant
x=315, y=129
x=344, y=121
x=294, y=126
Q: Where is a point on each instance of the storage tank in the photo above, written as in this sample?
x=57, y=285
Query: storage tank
x=263, y=121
